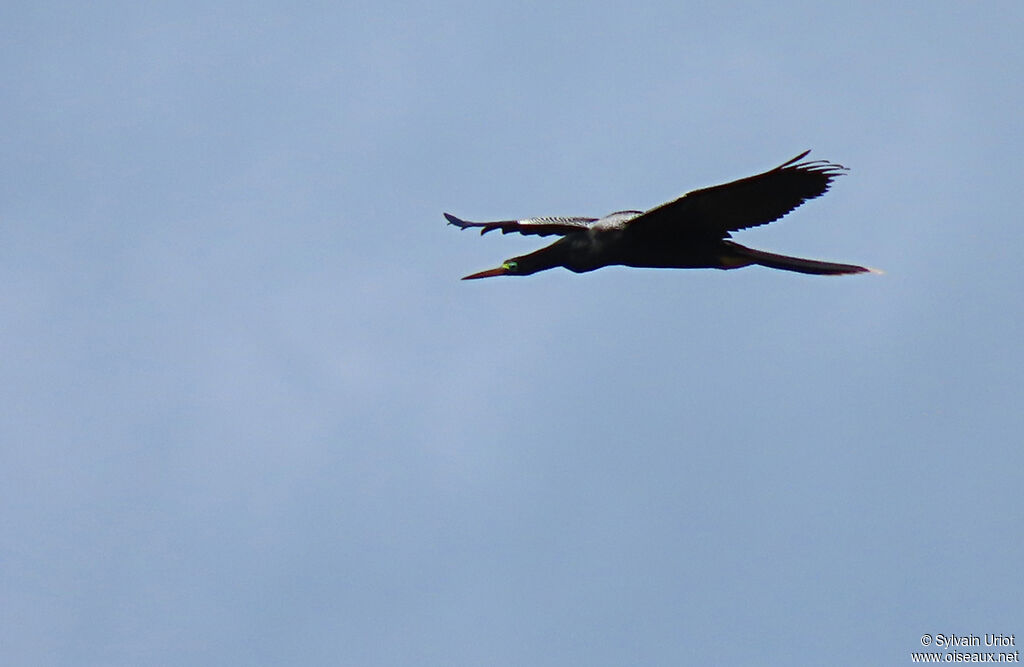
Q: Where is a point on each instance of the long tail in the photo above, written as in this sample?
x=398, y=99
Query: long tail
x=800, y=265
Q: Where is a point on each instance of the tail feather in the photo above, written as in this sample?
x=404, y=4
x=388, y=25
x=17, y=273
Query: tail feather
x=798, y=264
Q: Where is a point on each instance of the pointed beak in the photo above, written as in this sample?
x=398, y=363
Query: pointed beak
x=500, y=271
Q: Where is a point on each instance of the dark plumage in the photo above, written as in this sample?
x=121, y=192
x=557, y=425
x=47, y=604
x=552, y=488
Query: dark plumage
x=690, y=232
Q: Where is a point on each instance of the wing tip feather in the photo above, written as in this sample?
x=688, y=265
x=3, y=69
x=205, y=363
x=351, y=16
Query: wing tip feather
x=458, y=222
x=824, y=167
x=796, y=159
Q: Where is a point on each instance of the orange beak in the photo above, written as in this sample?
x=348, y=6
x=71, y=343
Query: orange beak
x=500, y=271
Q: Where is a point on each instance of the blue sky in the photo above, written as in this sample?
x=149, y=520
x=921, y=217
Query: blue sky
x=250, y=415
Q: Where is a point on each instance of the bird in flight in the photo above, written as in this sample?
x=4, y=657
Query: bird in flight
x=690, y=232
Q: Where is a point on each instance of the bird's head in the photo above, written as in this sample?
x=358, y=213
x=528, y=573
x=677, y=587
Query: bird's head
x=511, y=267
x=556, y=254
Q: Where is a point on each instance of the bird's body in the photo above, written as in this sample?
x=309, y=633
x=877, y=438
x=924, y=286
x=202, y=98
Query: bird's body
x=691, y=232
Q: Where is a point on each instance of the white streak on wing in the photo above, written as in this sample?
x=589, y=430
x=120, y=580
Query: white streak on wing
x=616, y=220
x=573, y=221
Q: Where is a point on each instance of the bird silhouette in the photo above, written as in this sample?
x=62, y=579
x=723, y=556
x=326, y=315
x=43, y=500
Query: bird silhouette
x=690, y=232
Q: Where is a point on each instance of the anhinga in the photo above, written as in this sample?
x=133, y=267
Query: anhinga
x=690, y=232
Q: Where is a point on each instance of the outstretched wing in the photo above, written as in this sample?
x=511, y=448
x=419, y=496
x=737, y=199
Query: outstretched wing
x=748, y=202
x=539, y=226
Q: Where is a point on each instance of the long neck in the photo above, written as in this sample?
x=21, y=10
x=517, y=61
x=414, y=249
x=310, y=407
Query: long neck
x=556, y=254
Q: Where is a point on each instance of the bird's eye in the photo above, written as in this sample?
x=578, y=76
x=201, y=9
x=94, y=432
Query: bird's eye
x=510, y=266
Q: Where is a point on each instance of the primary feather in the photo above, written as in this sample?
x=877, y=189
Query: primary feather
x=747, y=202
